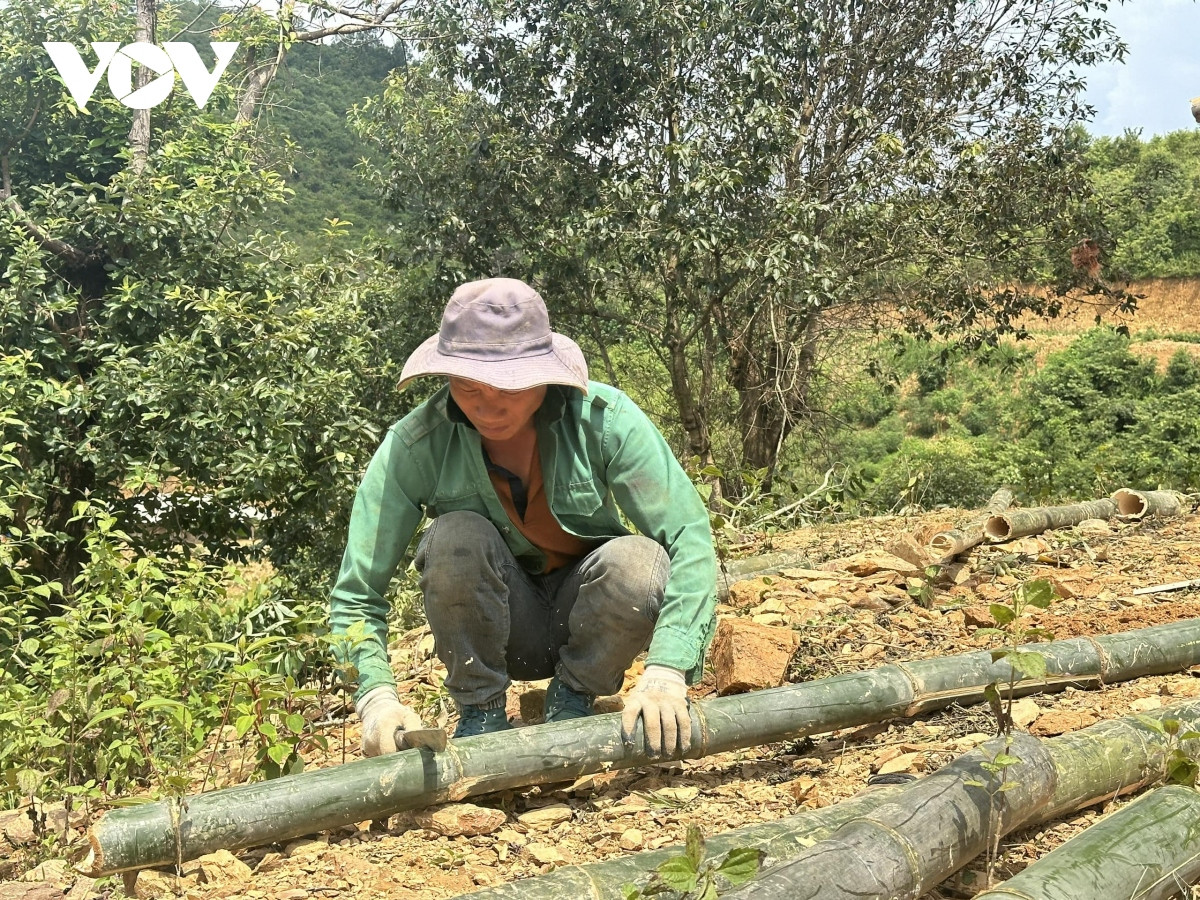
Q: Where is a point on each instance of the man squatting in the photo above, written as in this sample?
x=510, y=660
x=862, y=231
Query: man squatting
x=521, y=464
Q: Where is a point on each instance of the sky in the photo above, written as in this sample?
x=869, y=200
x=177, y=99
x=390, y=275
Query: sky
x=1152, y=89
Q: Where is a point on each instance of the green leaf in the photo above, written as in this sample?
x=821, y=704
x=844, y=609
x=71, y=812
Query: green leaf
x=1029, y=664
x=741, y=864
x=679, y=873
x=1038, y=593
x=1002, y=615
x=103, y=716
x=279, y=753
x=1183, y=770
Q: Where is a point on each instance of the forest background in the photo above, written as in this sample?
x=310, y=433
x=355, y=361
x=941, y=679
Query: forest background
x=815, y=270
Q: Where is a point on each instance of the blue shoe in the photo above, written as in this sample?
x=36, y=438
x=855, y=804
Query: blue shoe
x=563, y=703
x=473, y=720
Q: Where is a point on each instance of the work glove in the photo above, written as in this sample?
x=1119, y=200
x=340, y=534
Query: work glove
x=382, y=713
x=660, y=698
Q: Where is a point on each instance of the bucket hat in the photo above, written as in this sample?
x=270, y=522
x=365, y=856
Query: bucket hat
x=497, y=332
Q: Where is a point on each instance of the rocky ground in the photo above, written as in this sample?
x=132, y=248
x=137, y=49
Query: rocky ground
x=851, y=601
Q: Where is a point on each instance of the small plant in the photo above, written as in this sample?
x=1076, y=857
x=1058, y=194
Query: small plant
x=920, y=590
x=692, y=877
x=1038, y=594
x=1181, y=766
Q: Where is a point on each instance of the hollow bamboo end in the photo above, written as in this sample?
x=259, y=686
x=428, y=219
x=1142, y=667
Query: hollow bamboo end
x=997, y=529
x=1131, y=504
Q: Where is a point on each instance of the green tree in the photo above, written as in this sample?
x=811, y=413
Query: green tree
x=736, y=186
x=204, y=383
x=1149, y=192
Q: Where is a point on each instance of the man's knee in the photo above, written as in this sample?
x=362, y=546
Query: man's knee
x=632, y=572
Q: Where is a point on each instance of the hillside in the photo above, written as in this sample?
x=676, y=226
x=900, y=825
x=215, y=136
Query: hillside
x=843, y=624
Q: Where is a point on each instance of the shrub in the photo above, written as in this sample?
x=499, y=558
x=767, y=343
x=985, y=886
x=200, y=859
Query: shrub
x=948, y=471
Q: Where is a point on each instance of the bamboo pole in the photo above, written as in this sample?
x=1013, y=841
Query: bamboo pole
x=753, y=566
x=906, y=848
x=945, y=545
x=1148, y=850
x=248, y=815
x=1010, y=525
x=1136, y=505
x=1087, y=766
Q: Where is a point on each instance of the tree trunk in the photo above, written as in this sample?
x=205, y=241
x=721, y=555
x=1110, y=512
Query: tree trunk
x=945, y=545
x=247, y=815
x=139, y=131
x=1148, y=850
x=1086, y=766
x=1017, y=523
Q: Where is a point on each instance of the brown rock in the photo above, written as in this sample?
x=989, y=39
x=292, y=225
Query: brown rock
x=749, y=592
x=52, y=870
x=632, y=839
x=222, y=866
x=17, y=827
x=749, y=657
x=546, y=816
x=545, y=854
x=905, y=762
x=870, y=562
x=455, y=819
x=906, y=548
x=1060, y=721
x=15, y=891
x=977, y=617
x=1025, y=712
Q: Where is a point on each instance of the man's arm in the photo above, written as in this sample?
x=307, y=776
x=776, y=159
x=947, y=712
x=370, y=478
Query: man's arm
x=655, y=493
x=658, y=497
x=384, y=518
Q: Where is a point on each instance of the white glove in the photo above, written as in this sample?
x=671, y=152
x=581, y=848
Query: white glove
x=660, y=699
x=382, y=713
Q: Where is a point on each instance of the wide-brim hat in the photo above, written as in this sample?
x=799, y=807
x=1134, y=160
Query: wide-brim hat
x=497, y=332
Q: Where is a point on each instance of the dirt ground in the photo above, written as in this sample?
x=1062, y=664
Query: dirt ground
x=860, y=623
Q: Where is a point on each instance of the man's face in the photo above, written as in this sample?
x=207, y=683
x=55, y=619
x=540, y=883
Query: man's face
x=497, y=415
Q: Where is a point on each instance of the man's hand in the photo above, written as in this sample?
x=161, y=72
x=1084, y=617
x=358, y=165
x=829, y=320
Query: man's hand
x=660, y=698
x=382, y=713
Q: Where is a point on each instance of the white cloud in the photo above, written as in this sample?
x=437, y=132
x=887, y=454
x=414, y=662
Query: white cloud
x=1161, y=73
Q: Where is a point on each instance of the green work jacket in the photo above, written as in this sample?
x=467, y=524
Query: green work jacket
x=599, y=452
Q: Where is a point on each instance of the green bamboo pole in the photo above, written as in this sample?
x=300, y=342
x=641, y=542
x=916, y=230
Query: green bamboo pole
x=904, y=849
x=1015, y=523
x=945, y=545
x=1084, y=767
x=1136, y=505
x=248, y=815
x=1148, y=850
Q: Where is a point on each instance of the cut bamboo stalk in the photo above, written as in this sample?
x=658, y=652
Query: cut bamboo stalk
x=932, y=828
x=1018, y=523
x=1137, y=505
x=1090, y=765
x=1148, y=850
x=754, y=566
x=945, y=545
x=248, y=815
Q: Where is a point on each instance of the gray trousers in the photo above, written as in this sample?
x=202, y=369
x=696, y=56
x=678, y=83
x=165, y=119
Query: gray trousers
x=492, y=621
